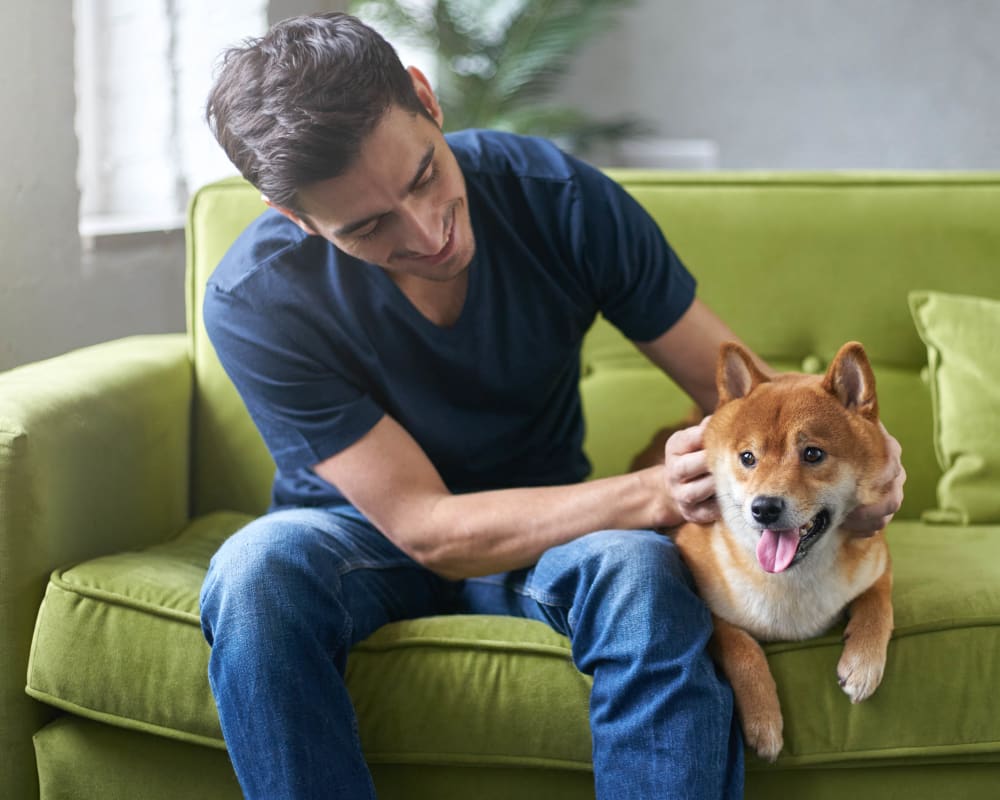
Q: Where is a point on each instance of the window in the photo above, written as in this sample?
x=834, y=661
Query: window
x=143, y=73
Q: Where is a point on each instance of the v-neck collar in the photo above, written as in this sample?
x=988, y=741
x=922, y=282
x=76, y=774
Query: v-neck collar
x=476, y=277
x=400, y=299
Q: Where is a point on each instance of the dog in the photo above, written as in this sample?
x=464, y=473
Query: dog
x=791, y=455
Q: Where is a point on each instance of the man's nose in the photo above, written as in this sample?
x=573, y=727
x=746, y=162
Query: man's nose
x=424, y=226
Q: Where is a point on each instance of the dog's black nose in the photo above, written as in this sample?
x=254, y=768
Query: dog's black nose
x=767, y=509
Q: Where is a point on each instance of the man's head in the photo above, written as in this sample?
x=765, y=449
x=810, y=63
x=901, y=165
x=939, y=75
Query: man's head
x=321, y=117
x=293, y=107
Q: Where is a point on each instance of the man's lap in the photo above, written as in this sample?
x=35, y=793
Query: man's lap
x=382, y=583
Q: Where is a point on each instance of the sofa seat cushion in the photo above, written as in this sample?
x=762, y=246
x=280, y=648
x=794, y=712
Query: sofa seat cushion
x=118, y=640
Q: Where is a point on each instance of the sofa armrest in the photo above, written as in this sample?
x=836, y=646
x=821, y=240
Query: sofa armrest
x=94, y=458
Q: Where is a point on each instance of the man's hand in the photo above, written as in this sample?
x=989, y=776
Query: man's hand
x=867, y=520
x=690, y=485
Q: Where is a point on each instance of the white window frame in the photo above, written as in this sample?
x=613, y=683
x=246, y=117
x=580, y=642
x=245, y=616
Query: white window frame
x=143, y=71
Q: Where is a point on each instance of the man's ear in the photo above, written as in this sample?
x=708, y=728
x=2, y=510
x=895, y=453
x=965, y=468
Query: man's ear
x=298, y=219
x=736, y=374
x=426, y=95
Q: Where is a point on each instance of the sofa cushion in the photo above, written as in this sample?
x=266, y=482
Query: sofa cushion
x=961, y=334
x=118, y=640
x=230, y=466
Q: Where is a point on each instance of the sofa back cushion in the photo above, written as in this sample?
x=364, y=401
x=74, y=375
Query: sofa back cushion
x=796, y=264
x=231, y=468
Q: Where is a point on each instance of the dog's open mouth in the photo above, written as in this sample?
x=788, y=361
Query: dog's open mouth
x=777, y=550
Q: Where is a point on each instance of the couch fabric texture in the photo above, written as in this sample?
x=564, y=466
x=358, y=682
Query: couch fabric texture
x=124, y=466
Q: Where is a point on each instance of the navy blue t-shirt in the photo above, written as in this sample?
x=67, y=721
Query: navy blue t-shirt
x=320, y=344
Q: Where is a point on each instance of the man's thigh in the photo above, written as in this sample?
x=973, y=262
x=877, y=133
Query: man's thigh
x=620, y=562
x=331, y=561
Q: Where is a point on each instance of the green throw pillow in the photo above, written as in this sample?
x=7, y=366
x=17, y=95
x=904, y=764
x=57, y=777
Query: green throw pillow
x=962, y=335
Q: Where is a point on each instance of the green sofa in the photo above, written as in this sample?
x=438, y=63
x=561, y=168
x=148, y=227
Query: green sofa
x=123, y=467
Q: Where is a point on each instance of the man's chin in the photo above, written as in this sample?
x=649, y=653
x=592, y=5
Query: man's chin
x=451, y=271
x=463, y=261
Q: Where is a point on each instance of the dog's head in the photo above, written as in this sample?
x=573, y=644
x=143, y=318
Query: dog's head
x=793, y=455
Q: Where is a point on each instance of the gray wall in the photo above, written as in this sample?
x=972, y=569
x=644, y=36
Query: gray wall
x=808, y=84
x=785, y=84
x=56, y=294
x=53, y=295
x=39, y=249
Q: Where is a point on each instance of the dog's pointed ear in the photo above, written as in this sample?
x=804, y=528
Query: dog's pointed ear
x=736, y=373
x=851, y=380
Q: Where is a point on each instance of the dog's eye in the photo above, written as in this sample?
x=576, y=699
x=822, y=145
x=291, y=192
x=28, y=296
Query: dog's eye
x=813, y=455
x=747, y=459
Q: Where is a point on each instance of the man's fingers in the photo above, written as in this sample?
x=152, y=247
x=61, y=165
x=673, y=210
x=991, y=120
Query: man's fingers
x=686, y=440
x=688, y=479
x=694, y=493
x=688, y=467
x=869, y=519
x=706, y=513
x=893, y=468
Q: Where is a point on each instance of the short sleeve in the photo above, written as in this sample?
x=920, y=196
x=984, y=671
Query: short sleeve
x=642, y=286
x=306, y=410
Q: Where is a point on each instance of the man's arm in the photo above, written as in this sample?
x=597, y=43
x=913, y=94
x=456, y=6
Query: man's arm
x=390, y=479
x=689, y=351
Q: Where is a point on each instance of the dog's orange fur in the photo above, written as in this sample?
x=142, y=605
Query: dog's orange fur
x=776, y=420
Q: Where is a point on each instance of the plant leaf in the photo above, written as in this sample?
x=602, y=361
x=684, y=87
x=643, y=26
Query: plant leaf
x=497, y=65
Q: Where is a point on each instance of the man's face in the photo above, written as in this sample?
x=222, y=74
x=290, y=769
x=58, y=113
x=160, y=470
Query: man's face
x=402, y=205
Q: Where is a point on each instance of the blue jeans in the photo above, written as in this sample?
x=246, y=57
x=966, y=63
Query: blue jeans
x=286, y=597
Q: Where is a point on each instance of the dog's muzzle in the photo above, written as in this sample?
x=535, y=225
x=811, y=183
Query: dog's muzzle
x=781, y=548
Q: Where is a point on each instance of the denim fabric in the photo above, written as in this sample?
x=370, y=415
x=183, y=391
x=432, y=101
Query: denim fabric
x=287, y=596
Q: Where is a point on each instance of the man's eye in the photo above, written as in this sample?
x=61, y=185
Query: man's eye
x=368, y=233
x=429, y=177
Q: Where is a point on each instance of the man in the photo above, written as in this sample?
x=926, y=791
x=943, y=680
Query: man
x=404, y=327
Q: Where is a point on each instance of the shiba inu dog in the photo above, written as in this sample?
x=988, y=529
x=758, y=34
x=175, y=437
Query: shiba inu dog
x=791, y=456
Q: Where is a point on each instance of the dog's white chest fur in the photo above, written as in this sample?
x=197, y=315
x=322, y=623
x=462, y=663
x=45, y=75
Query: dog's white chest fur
x=799, y=603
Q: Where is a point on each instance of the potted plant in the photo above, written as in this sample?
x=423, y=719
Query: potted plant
x=497, y=64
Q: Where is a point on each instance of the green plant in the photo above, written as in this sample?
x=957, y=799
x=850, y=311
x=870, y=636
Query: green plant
x=497, y=64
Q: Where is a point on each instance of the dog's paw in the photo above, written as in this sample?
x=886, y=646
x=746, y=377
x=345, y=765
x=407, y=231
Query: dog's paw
x=763, y=735
x=859, y=673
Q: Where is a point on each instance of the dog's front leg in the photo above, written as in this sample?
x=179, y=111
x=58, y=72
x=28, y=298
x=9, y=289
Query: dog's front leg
x=866, y=639
x=745, y=665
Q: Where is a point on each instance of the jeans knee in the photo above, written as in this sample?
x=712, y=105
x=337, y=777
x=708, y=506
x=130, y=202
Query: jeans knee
x=636, y=559
x=264, y=575
x=637, y=576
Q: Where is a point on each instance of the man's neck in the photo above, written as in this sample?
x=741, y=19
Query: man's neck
x=441, y=302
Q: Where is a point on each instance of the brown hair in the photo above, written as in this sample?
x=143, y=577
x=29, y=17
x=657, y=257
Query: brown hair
x=293, y=107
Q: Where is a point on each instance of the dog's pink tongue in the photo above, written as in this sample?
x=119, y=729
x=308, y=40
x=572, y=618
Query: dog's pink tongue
x=776, y=549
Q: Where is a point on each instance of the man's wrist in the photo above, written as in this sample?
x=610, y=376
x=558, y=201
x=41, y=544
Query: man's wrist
x=663, y=509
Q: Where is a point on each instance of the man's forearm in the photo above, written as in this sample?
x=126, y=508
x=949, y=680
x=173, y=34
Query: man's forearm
x=467, y=535
x=389, y=478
